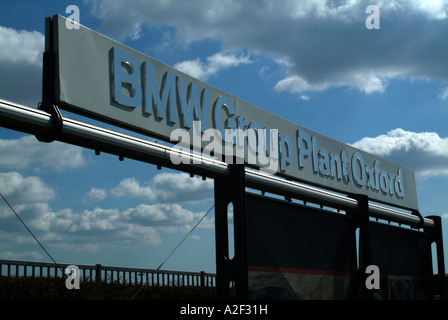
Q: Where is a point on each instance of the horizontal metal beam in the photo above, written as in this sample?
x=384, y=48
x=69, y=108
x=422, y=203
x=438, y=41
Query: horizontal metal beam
x=33, y=121
x=273, y=184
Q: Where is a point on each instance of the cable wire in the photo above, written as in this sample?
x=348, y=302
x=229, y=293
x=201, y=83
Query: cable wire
x=17, y=215
x=186, y=236
x=178, y=246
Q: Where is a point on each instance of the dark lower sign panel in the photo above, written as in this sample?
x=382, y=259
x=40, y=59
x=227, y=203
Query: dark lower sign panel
x=297, y=252
x=300, y=252
x=405, y=262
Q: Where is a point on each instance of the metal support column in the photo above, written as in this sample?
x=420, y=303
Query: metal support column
x=439, y=278
x=361, y=217
x=48, y=88
x=231, y=190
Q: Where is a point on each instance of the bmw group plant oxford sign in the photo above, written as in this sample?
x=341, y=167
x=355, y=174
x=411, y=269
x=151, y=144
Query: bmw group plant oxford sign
x=106, y=80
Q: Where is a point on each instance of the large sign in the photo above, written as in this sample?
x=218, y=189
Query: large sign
x=104, y=79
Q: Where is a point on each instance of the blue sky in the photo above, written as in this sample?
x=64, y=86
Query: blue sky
x=312, y=62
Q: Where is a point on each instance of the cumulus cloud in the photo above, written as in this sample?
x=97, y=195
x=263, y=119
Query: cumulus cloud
x=142, y=224
x=131, y=187
x=367, y=82
x=20, y=189
x=424, y=152
x=167, y=188
x=91, y=230
x=215, y=63
x=21, y=65
x=87, y=230
x=95, y=195
x=160, y=214
x=23, y=152
x=325, y=43
x=94, y=229
x=21, y=46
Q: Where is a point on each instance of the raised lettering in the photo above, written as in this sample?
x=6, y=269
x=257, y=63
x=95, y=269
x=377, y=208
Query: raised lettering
x=193, y=106
x=304, y=146
x=285, y=151
x=126, y=89
x=358, y=169
x=335, y=166
x=324, y=162
x=384, y=182
x=345, y=170
x=159, y=101
x=399, y=184
x=222, y=103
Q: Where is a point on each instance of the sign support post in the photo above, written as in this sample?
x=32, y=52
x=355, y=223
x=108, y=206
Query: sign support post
x=48, y=86
x=436, y=233
x=364, y=253
x=231, y=190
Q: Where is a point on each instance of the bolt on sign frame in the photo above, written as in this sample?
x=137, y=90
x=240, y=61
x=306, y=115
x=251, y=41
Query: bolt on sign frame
x=90, y=74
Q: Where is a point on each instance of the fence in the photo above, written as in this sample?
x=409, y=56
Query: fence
x=99, y=273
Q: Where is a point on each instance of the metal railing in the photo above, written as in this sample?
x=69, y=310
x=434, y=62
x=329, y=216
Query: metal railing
x=116, y=275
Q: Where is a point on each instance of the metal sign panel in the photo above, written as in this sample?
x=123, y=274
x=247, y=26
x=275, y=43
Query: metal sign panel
x=104, y=79
x=405, y=260
x=303, y=253
x=310, y=253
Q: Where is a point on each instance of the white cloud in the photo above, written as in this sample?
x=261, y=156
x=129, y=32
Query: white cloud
x=21, y=65
x=215, y=63
x=435, y=9
x=19, y=189
x=21, y=46
x=365, y=80
x=23, y=152
x=180, y=187
x=94, y=229
x=130, y=187
x=88, y=230
x=293, y=84
x=160, y=214
x=444, y=94
x=95, y=195
x=91, y=230
x=424, y=152
x=167, y=188
x=326, y=43
x=297, y=84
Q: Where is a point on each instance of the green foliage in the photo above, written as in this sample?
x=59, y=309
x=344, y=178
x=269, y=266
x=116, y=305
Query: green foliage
x=42, y=288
